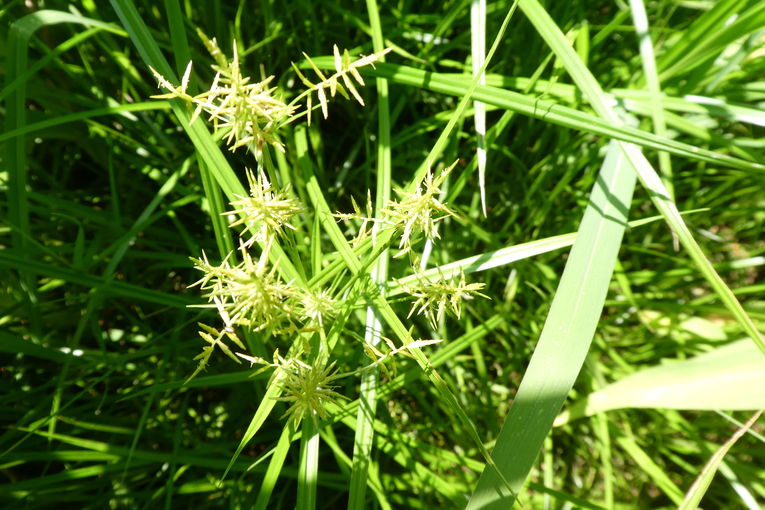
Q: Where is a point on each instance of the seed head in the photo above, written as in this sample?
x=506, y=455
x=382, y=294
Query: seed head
x=434, y=298
x=266, y=212
x=417, y=213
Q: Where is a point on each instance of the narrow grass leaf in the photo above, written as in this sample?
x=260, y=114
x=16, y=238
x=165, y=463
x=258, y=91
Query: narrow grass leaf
x=640, y=19
x=548, y=111
x=696, y=493
x=275, y=466
x=362, y=443
x=478, y=57
x=498, y=258
x=265, y=406
x=655, y=472
x=308, y=472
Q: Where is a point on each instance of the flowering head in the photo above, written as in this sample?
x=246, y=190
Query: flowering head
x=266, y=212
x=248, y=111
x=417, y=213
x=434, y=298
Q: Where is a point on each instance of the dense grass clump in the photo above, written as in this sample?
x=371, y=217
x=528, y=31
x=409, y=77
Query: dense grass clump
x=410, y=255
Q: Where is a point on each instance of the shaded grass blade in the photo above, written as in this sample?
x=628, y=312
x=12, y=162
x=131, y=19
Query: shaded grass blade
x=699, y=488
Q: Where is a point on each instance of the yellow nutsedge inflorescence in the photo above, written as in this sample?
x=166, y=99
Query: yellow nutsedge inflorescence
x=366, y=220
x=417, y=213
x=266, y=212
x=379, y=358
x=344, y=67
x=316, y=306
x=307, y=388
x=434, y=298
x=248, y=111
x=251, y=294
x=247, y=294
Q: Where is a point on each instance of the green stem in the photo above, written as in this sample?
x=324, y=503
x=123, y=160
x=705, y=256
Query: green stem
x=362, y=446
x=309, y=465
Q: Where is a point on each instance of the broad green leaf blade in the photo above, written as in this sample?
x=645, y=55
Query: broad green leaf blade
x=696, y=493
x=730, y=377
x=566, y=335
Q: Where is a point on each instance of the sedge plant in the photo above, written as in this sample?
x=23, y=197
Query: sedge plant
x=246, y=288
x=322, y=305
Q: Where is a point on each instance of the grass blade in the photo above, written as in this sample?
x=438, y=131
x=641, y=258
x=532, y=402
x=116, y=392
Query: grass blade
x=696, y=493
x=478, y=54
x=274, y=467
x=363, y=439
x=551, y=112
x=640, y=19
x=308, y=474
x=566, y=337
x=729, y=377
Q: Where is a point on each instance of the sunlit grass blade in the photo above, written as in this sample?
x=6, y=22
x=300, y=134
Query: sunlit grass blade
x=275, y=466
x=729, y=377
x=640, y=19
x=499, y=258
x=308, y=473
x=478, y=56
x=566, y=337
x=362, y=445
x=550, y=112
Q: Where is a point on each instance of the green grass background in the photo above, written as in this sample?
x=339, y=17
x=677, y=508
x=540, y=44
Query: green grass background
x=107, y=193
